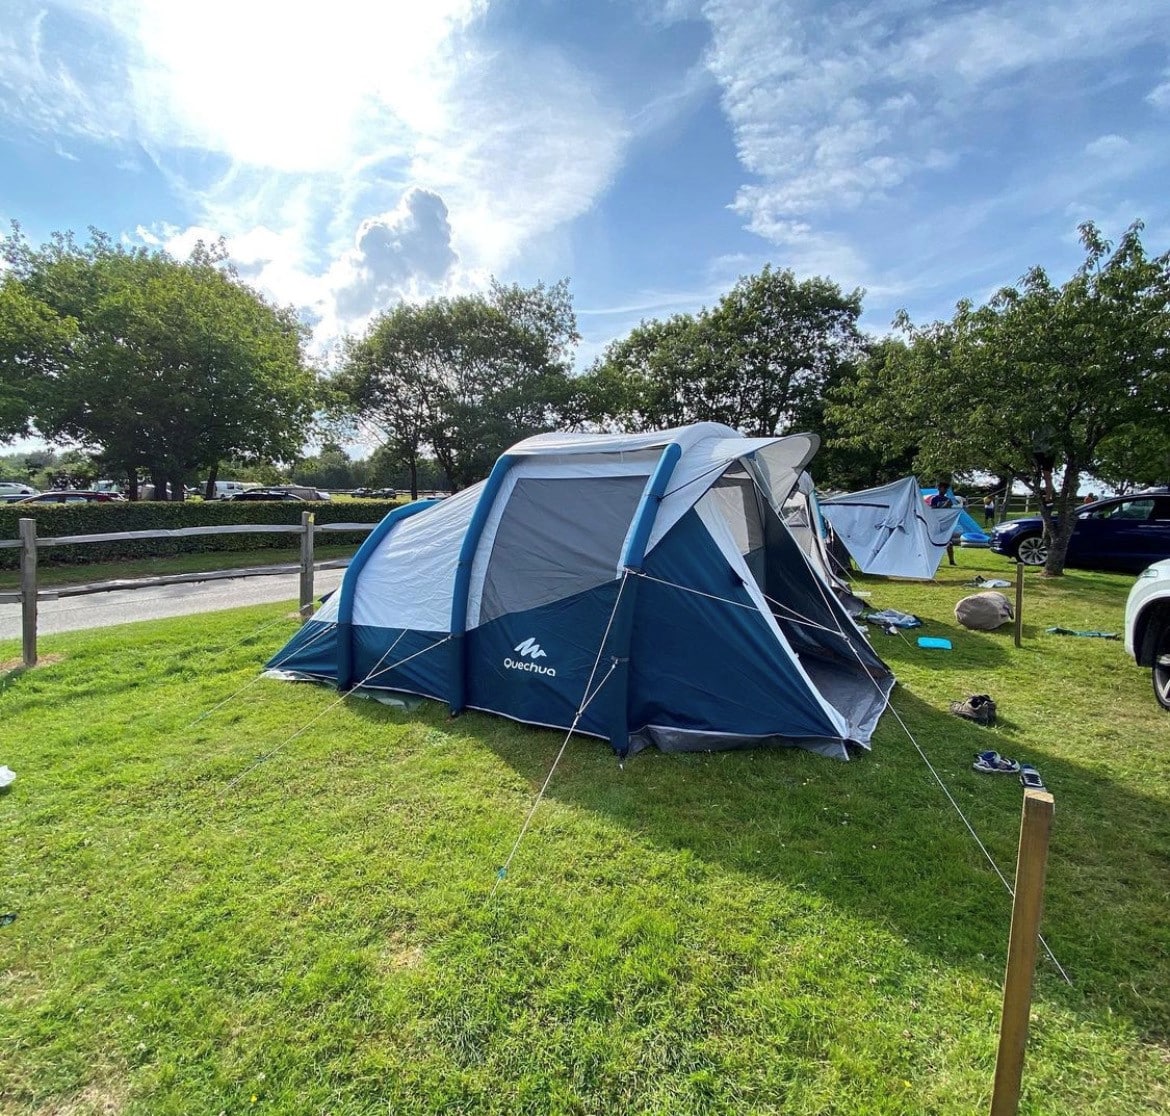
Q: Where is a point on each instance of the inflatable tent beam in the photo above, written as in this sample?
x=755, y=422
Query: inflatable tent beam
x=633, y=554
x=479, y=518
x=349, y=582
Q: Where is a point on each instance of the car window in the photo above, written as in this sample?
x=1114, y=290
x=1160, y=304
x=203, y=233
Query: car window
x=1126, y=510
x=74, y=500
x=1162, y=509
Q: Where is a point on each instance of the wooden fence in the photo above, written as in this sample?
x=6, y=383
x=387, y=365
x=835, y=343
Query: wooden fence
x=28, y=595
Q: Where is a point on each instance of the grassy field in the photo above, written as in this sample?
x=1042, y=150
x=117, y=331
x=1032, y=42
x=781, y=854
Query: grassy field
x=761, y=931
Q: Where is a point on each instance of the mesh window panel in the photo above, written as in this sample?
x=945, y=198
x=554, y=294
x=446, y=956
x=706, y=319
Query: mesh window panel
x=556, y=538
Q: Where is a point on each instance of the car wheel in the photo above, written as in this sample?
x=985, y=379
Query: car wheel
x=1161, y=671
x=1032, y=551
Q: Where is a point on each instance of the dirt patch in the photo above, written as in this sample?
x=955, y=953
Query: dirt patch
x=16, y=665
x=93, y=1100
x=398, y=954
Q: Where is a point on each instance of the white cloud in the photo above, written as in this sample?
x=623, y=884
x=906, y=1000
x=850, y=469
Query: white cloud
x=836, y=107
x=313, y=139
x=1159, y=96
x=1107, y=147
x=396, y=254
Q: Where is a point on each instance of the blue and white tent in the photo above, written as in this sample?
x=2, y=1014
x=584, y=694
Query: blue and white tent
x=642, y=588
x=889, y=529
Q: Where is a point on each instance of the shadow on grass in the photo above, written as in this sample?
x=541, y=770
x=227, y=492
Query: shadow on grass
x=877, y=838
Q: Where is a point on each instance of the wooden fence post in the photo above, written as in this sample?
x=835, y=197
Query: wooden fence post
x=307, y=522
x=1019, y=632
x=28, y=590
x=1031, y=865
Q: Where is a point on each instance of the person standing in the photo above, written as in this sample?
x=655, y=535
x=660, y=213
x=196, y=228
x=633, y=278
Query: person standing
x=940, y=499
x=989, y=510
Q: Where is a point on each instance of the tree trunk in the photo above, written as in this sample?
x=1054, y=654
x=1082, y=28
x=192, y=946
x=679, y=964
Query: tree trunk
x=212, y=477
x=413, y=477
x=132, y=484
x=178, y=487
x=158, y=480
x=1060, y=533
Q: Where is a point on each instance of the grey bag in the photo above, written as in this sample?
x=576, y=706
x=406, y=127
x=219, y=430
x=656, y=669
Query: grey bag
x=983, y=611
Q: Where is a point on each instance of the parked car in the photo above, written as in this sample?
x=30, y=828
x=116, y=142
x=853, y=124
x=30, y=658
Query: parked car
x=225, y=488
x=71, y=496
x=375, y=493
x=304, y=491
x=1147, y=626
x=10, y=497
x=1121, y=533
x=256, y=494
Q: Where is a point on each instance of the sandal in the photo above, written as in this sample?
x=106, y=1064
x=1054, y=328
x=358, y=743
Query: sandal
x=992, y=763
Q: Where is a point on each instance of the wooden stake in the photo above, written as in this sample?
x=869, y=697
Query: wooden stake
x=1031, y=865
x=1019, y=633
x=28, y=590
x=306, y=565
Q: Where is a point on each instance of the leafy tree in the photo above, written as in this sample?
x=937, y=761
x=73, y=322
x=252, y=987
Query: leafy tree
x=759, y=361
x=31, y=337
x=1135, y=455
x=330, y=468
x=1043, y=382
x=171, y=366
x=850, y=464
x=461, y=378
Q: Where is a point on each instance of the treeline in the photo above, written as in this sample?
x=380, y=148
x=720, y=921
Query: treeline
x=168, y=369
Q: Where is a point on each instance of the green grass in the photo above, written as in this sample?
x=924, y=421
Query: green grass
x=49, y=577
x=761, y=931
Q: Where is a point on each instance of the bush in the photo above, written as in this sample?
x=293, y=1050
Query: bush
x=57, y=520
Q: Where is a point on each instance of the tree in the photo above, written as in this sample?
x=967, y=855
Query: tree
x=1043, y=384
x=171, y=366
x=330, y=468
x=461, y=378
x=851, y=464
x=32, y=337
x=759, y=361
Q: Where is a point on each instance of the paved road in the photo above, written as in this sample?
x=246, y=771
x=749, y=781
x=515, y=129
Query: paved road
x=126, y=605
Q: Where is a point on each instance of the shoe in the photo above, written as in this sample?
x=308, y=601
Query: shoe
x=992, y=763
x=979, y=708
x=1030, y=777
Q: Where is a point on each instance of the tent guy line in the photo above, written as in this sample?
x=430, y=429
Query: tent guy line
x=333, y=705
x=586, y=700
x=971, y=829
x=251, y=682
x=794, y=616
x=959, y=810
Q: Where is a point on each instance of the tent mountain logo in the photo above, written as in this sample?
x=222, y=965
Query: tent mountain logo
x=531, y=650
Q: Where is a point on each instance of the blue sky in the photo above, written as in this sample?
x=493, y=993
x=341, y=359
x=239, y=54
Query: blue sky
x=354, y=154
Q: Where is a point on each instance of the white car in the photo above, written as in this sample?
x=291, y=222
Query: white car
x=1147, y=626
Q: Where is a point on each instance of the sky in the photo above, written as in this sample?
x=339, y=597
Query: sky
x=652, y=151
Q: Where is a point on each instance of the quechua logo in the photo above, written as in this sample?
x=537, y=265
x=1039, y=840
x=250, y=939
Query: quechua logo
x=529, y=651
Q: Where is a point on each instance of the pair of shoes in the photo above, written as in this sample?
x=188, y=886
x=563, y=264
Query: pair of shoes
x=992, y=763
x=979, y=708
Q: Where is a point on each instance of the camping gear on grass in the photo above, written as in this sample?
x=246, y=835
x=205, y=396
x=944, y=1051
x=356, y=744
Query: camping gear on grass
x=934, y=643
x=889, y=530
x=891, y=617
x=983, y=612
x=979, y=708
x=642, y=588
x=1083, y=635
x=992, y=763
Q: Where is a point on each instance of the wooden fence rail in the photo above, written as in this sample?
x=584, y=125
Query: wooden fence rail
x=29, y=545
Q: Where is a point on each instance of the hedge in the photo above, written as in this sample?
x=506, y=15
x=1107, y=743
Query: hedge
x=57, y=520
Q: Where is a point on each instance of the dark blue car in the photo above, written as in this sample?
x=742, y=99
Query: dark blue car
x=1121, y=533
